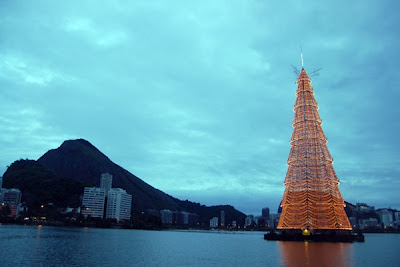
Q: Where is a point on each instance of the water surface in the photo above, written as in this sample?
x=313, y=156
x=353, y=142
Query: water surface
x=61, y=246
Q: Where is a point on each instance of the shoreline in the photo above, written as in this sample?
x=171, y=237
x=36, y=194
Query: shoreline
x=178, y=229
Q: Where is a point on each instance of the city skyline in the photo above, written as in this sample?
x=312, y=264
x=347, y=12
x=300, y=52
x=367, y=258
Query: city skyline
x=197, y=99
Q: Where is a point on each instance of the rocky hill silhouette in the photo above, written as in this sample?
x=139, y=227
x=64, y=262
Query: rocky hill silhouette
x=80, y=161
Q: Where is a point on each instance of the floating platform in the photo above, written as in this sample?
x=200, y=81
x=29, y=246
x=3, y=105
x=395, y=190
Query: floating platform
x=328, y=236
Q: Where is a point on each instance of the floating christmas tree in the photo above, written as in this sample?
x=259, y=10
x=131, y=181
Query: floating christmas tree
x=312, y=200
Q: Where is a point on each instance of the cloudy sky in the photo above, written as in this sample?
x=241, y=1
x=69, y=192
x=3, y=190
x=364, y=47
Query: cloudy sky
x=196, y=97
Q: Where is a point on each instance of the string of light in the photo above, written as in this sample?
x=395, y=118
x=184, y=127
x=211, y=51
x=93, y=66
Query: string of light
x=312, y=199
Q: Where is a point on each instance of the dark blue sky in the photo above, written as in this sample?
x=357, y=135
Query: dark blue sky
x=196, y=98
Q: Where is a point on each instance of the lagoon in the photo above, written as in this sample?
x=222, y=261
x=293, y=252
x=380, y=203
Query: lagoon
x=63, y=246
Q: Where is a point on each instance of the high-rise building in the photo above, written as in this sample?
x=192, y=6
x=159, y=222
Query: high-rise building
x=222, y=218
x=11, y=198
x=166, y=216
x=93, y=202
x=259, y=221
x=312, y=199
x=273, y=220
x=214, y=222
x=2, y=192
x=386, y=217
x=265, y=213
x=106, y=181
x=118, y=204
x=397, y=216
x=184, y=217
x=107, y=202
x=249, y=220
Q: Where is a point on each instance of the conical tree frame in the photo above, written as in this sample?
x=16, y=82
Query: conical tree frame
x=312, y=199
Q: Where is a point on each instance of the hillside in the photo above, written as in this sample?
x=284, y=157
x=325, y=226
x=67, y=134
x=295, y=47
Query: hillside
x=40, y=186
x=79, y=160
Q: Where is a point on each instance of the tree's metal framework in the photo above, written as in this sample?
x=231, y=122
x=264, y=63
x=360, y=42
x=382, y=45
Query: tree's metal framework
x=312, y=199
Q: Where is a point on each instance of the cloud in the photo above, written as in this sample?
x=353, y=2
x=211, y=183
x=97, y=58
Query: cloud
x=102, y=37
x=19, y=69
x=20, y=125
x=197, y=99
x=80, y=25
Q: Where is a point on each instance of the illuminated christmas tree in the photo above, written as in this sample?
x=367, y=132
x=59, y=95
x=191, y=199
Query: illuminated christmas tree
x=312, y=200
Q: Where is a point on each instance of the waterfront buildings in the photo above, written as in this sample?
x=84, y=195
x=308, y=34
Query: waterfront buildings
x=106, y=202
x=185, y=216
x=93, y=202
x=2, y=192
x=222, y=219
x=118, y=204
x=249, y=220
x=397, y=216
x=166, y=216
x=214, y=222
x=259, y=221
x=397, y=219
x=386, y=217
x=10, y=198
x=177, y=217
x=273, y=220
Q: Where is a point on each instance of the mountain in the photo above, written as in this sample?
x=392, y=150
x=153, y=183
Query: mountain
x=40, y=186
x=79, y=160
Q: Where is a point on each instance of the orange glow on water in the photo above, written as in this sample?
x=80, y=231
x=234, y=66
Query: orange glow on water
x=315, y=254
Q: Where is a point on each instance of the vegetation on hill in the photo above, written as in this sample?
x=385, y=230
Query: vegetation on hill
x=80, y=160
x=39, y=186
x=59, y=177
x=206, y=213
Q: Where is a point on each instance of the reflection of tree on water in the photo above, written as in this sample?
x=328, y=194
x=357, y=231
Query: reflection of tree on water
x=315, y=254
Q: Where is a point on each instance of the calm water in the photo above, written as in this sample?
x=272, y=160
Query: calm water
x=58, y=246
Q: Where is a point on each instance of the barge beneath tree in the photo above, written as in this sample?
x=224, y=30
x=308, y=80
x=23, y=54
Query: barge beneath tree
x=320, y=236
